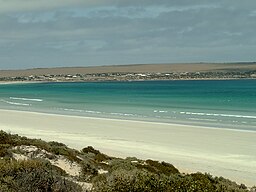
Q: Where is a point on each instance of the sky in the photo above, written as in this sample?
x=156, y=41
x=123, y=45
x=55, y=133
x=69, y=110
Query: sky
x=54, y=33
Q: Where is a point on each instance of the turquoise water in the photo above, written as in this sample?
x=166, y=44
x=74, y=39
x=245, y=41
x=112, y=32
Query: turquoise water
x=229, y=104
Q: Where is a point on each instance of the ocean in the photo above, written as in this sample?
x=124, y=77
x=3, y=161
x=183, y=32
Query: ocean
x=212, y=103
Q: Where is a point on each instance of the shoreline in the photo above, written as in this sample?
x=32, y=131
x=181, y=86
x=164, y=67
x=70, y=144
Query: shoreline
x=221, y=152
x=18, y=82
x=129, y=120
x=98, y=81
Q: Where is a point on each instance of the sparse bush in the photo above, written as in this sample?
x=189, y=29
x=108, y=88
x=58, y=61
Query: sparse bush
x=227, y=185
x=130, y=174
x=4, y=151
x=158, y=168
x=33, y=175
x=88, y=170
x=101, y=157
x=141, y=180
x=56, y=144
x=90, y=149
x=126, y=181
x=97, y=155
x=253, y=189
x=53, y=147
x=121, y=164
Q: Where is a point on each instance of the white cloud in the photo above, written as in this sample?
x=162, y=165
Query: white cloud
x=253, y=14
x=31, y=18
x=9, y=6
x=98, y=32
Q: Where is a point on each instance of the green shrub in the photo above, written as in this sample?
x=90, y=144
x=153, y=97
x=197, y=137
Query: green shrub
x=227, y=185
x=33, y=175
x=253, y=189
x=121, y=164
x=141, y=180
x=53, y=147
x=90, y=149
x=101, y=157
x=129, y=174
x=88, y=170
x=97, y=155
x=4, y=150
x=159, y=168
x=126, y=181
x=56, y=144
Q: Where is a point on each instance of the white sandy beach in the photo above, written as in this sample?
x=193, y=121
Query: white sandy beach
x=221, y=152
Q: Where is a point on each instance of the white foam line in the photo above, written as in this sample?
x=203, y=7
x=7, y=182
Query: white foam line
x=97, y=112
x=123, y=114
x=79, y=110
x=157, y=111
x=74, y=110
x=203, y=119
x=219, y=115
x=14, y=103
x=25, y=99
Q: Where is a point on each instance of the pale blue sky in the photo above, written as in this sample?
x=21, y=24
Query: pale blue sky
x=51, y=33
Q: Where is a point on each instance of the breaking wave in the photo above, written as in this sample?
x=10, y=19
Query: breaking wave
x=26, y=99
x=218, y=115
x=80, y=110
x=97, y=112
x=15, y=103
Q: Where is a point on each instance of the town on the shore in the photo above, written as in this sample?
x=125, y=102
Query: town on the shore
x=133, y=76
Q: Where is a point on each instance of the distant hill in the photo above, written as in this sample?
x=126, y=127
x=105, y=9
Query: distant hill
x=138, y=68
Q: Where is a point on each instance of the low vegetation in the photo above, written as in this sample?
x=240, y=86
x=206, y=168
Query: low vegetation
x=37, y=170
x=33, y=175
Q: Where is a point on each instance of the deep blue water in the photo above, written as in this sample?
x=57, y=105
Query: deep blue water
x=217, y=103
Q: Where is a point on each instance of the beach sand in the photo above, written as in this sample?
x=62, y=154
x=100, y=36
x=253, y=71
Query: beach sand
x=220, y=152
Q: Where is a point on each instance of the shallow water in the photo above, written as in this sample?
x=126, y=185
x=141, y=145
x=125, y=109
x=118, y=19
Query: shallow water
x=215, y=103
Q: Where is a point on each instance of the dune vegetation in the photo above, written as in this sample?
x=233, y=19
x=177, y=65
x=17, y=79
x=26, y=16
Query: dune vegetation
x=35, y=165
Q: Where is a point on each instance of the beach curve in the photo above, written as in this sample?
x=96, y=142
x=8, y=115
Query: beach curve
x=221, y=152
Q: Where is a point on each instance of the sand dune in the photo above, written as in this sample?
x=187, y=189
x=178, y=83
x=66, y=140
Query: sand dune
x=221, y=152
